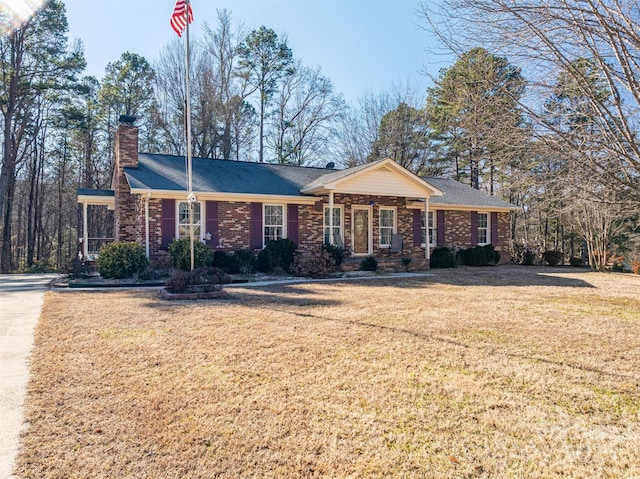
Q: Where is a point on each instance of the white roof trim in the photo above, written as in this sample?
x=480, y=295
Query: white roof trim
x=241, y=197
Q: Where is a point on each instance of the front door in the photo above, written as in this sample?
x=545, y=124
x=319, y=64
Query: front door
x=362, y=230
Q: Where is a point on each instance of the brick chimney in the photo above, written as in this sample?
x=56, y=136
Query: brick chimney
x=127, y=206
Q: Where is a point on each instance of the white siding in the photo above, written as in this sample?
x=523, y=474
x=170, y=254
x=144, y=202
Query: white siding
x=382, y=182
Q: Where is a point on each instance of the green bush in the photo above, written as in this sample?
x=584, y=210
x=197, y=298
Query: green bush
x=369, y=264
x=479, y=256
x=443, y=258
x=241, y=261
x=200, y=279
x=318, y=263
x=575, y=262
x=277, y=256
x=180, y=251
x=552, y=257
x=336, y=253
x=245, y=261
x=121, y=260
x=528, y=258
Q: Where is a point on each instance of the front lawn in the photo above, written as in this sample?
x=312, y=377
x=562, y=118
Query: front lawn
x=505, y=372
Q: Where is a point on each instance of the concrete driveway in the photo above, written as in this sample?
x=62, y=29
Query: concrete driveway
x=21, y=297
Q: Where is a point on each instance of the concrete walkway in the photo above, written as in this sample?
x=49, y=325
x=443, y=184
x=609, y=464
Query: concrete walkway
x=21, y=298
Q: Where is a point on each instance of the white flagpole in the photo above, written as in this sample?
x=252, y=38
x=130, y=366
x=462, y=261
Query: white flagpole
x=188, y=123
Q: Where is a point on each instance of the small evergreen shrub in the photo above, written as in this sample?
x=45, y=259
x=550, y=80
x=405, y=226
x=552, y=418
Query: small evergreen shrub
x=528, y=258
x=552, y=257
x=178, y=282
x=76, y=268
x=479, y=256
x=405, y=262
x=180, y=251
x=493, y=256
x=200, y=279
x=336, y=252
x=443, y=258
x=318, y=263
x=121, y=260
x=575, y=262
x=245, y=261
x=39, y=266
x=277, y=256
x=369, y=264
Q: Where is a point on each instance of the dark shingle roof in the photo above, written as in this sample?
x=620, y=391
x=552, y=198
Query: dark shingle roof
x=90, y=192
x=166, y=172
x=458, y=194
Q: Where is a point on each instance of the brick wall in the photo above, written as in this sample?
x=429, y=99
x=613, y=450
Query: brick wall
x=235, y=217
x=129, y=209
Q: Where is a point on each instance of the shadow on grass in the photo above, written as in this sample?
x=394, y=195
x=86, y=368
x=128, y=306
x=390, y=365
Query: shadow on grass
x=452, y=342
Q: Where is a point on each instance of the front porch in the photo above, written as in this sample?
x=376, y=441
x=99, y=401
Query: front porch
x=93, y=222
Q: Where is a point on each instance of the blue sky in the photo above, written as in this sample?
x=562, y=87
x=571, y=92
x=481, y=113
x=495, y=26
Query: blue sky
x=361, y=45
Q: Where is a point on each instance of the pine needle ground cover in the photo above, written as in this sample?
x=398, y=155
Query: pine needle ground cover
x=506, y=372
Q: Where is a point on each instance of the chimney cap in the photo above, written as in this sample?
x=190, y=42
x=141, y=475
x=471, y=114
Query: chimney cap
x=128, y=119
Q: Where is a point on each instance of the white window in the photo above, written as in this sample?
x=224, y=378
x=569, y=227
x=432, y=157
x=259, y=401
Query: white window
x=387, y=225
x=483, y=229
x=183, y=220
x=273, y=223
x=336, y=227
x=433, y=231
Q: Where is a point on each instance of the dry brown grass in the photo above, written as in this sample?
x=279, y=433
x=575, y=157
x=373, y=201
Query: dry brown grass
x=495, y=372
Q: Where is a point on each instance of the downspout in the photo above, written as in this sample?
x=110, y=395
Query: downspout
x=330, y=217
x=146, y=223
x=85, y=232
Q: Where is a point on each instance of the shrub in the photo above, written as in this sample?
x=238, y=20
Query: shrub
x=479, y=256
x=493, y=256
x=277, y=256
x=39, y=266
x=528, y=258
x=180, y=251
x=405, y=262
x=318, y=263
x=76, y=268
x=121, y=260
x=552, y=257
x=575, y=262
x=443, y=258
x=336, y=253
x=200, y=279
x=178, y=282
x=635, y=267
x=369, y=264
x=245, y=261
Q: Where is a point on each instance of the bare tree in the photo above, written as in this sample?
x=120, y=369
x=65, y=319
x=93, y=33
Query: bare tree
x=307, y=109
x=546, y=38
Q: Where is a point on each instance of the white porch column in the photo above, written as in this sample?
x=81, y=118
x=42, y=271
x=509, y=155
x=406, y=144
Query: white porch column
x=427, y=249
x=330, y=218
x=146, y=224
x=85, y=231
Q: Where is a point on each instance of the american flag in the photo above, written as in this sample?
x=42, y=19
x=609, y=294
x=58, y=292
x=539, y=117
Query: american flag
x=179, y=18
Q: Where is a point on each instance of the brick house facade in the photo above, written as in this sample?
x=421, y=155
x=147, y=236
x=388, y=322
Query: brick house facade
x=241, y=205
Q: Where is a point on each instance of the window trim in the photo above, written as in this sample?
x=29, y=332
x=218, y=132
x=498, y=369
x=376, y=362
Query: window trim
x=487, y=228
x=325, y=211
x=201, y=224
x=264, y=223
x=424, y=231
x=393, y=227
